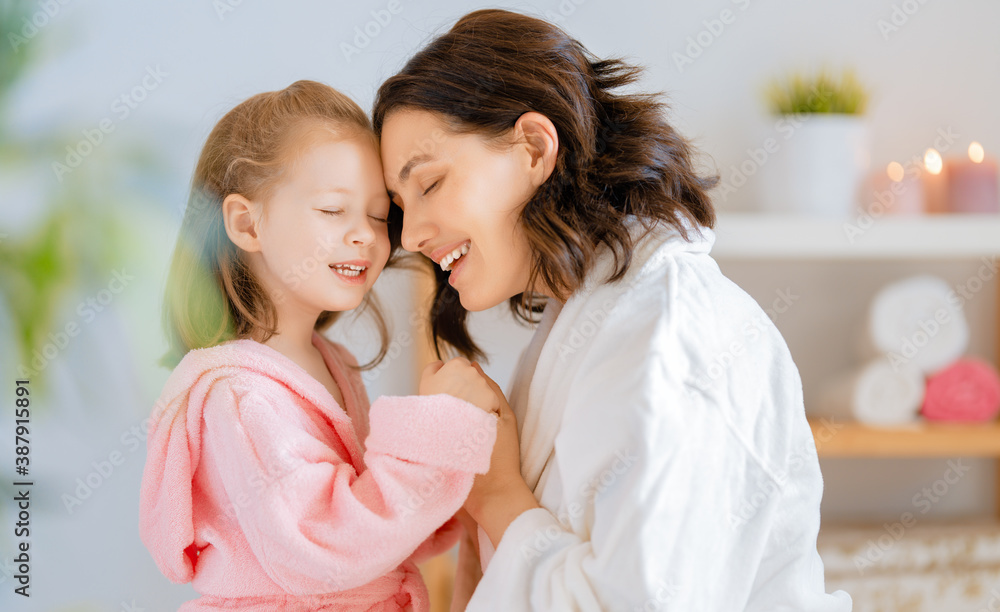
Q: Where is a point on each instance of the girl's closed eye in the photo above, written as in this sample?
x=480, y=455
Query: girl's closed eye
x=332, y=212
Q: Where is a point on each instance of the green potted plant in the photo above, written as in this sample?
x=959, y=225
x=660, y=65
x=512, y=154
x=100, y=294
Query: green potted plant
x=825, y=152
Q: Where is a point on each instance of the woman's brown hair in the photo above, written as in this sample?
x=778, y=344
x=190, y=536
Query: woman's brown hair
x=617, y=154
x=211, y=295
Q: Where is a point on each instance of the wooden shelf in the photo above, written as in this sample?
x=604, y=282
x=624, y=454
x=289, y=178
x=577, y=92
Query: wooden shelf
x=922, y=439
x=772, y=236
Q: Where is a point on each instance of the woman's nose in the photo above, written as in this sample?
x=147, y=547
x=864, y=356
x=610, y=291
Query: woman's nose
x=416, y=232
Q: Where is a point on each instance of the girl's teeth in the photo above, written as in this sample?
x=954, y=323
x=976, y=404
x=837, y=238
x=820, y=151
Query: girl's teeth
x=348, y=269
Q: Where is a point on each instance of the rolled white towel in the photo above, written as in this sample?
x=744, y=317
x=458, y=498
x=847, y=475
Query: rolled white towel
x=917, y=321
x=875, y=394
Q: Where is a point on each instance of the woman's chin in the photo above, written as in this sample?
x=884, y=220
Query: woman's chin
x=474, y=301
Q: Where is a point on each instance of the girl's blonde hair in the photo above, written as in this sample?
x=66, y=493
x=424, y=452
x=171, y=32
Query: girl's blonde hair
x=211, y=295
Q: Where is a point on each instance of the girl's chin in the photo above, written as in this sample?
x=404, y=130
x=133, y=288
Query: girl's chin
x=341, y=305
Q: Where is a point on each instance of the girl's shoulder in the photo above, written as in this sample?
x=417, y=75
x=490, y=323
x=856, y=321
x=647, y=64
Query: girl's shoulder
x=242, y=365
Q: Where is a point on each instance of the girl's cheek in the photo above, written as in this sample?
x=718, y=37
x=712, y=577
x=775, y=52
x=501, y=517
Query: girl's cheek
x=384, y=246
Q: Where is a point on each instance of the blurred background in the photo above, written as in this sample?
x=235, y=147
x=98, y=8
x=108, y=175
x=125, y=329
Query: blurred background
x=104, y=107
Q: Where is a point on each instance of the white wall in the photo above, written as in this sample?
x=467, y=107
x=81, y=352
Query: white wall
x=940, y=70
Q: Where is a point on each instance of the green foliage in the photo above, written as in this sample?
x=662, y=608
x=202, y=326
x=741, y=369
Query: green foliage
x=820, y=93
x=80, y=235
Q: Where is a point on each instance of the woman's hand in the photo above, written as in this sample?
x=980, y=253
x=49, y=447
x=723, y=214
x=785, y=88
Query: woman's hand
x=460, y=379
x=500, y=495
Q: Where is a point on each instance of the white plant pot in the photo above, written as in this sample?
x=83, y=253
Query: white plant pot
x=819, y=167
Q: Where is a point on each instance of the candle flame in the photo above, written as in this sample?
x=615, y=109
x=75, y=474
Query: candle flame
x=933, y=162
x=895, y=172
x=976, y=152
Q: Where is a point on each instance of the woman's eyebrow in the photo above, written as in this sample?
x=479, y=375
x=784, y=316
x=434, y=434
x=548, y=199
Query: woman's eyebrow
x=416, y=160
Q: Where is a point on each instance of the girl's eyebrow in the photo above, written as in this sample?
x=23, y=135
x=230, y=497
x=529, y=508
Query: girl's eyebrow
x=344, y=190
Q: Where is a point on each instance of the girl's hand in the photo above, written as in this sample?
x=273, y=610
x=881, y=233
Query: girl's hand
x=500, y=495
x=460, y=379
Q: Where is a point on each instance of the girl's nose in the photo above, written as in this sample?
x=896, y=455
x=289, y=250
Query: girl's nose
x=362, y=233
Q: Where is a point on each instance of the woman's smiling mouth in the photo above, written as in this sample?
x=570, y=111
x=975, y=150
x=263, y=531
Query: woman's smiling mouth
x=448, y=260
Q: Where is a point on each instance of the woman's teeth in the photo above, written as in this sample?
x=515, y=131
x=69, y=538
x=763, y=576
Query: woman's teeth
x=452, y=257
x=348, y=269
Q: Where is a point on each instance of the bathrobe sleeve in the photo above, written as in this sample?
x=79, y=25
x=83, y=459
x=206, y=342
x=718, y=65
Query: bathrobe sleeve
x=313, y=522
x=675, y=507
x=439, y=542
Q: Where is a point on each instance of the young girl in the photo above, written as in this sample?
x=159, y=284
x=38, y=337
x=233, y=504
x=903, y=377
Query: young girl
x=269, y=484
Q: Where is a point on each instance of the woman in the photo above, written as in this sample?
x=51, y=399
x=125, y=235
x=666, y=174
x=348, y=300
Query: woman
x=665, y=461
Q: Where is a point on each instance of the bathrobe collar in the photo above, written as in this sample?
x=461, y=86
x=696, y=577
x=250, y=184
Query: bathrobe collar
x=544, y=370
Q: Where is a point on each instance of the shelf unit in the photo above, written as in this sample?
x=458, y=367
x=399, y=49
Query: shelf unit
x=769, y=236
x=921, y=439
x=748, y=236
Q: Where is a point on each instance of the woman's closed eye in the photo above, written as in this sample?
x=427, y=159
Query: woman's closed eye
x=433, y=185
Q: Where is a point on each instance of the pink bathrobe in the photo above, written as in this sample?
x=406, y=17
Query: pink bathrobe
x=258, y=490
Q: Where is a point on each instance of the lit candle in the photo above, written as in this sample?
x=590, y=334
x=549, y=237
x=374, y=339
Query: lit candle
x=893, y=191
x=935, y=188
x=972, y=185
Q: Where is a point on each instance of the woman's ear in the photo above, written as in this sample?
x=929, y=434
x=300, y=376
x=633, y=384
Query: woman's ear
x=538, y=134
x=239, y=217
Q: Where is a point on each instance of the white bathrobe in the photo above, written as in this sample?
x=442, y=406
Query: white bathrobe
x=664, y=435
